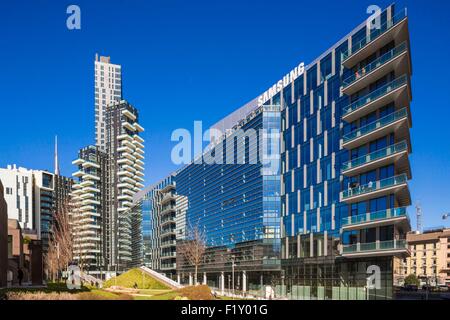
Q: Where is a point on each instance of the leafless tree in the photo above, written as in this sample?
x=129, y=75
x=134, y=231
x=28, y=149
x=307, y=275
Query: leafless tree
x=60, y=251
x=193, y=249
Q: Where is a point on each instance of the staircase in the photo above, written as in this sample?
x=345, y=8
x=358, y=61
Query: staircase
x=167, y=281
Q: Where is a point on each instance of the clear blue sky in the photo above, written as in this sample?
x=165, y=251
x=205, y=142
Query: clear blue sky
x=197, y=60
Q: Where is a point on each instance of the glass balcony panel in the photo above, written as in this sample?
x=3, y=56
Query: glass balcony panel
x=374, y=186
x=388, y=56
x=375, y=216
x=379, y=154
x=374, y=95
x=375, y=33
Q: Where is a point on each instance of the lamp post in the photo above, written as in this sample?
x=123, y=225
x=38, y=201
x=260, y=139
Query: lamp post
x=232, y=272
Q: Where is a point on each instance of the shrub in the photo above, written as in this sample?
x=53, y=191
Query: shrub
x=412, y=280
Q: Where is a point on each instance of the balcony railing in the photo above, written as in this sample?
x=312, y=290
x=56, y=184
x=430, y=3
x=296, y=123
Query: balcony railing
x=374, y=95
x=385, y=58
x=375, y=33
x=376, y=155
x=382, y=122
x=375, y=246
x=375, y=216
x=375, y=186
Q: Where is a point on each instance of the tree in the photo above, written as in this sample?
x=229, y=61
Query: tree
x=61, y=244
x=412, y=280
x=193, y=249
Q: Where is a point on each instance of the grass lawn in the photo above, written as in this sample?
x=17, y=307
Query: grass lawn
x=135, y=277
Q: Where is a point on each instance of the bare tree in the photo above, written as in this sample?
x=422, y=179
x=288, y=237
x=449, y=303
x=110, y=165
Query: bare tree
x=193, y=249
x=61, y=244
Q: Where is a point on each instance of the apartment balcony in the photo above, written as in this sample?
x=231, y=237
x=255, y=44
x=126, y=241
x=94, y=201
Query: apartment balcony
x=125, y=137
x=87, y=208
x=396, y=122
x=397, y=91
x=137, y=144
x=90, y=201
x=139, y=150
x=138, y=138
x=128, y=114
x=91, y=177
x=396, y=60
x=169, y=266
x=125, y=161
x=125, y=173
x=88, y=164
x=167, y=210
x=87, y=195
x=90, y=189
x=138, y=155
x=167, y=232
x=78, y=174
x=167, y=198
x=375, y=249
x=139, y=173
x=128, y=143
x=377, y=219
x=125, y=185
x=138, y=178
x=170, y=243
x=128, y=126
x=138, y=127
x=397, y=185
x=167, y=222
x=397, y=153
x=125, y=197
x=129, y=156
x=170, y=255
x=168, y=187
x=128, y=191
x=139, y=185
x=395, y=28
x=86, y=183
x=77, y=162
x=125, y=149
x=127, y=180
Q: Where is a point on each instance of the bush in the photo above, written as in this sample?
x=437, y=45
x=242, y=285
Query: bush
x=132, y=277
x=412, y=280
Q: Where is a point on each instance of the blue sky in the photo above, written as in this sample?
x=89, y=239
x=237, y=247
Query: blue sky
x=198, y=60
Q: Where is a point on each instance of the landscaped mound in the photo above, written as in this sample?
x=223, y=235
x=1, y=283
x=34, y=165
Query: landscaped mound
x=135, y=277
x=190, y=293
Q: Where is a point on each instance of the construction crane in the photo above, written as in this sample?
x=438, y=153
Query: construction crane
x=419, y=217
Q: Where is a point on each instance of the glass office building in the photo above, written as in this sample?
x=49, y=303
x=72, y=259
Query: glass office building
x=236, y=204
x=345, y=165
x=325, y=209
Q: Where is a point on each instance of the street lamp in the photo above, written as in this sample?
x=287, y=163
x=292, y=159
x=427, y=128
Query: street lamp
x=232, y=271
x=445, y=216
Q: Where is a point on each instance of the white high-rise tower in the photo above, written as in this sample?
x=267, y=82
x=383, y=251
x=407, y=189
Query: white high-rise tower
x=108, y=89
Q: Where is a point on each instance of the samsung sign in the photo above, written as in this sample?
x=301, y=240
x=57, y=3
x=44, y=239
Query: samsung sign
x=277, y=87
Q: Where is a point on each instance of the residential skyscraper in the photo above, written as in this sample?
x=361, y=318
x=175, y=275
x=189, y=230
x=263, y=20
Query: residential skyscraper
x=125, y=151
x=90, y=209
x=108, y=89
x=107, y=182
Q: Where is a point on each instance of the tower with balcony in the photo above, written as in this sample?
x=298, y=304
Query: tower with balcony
x=376, y=124
x=89, y=209
x=125, y=151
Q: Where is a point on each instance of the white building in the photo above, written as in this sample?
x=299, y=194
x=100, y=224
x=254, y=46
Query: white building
x=18, y=184
x=108, y=89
